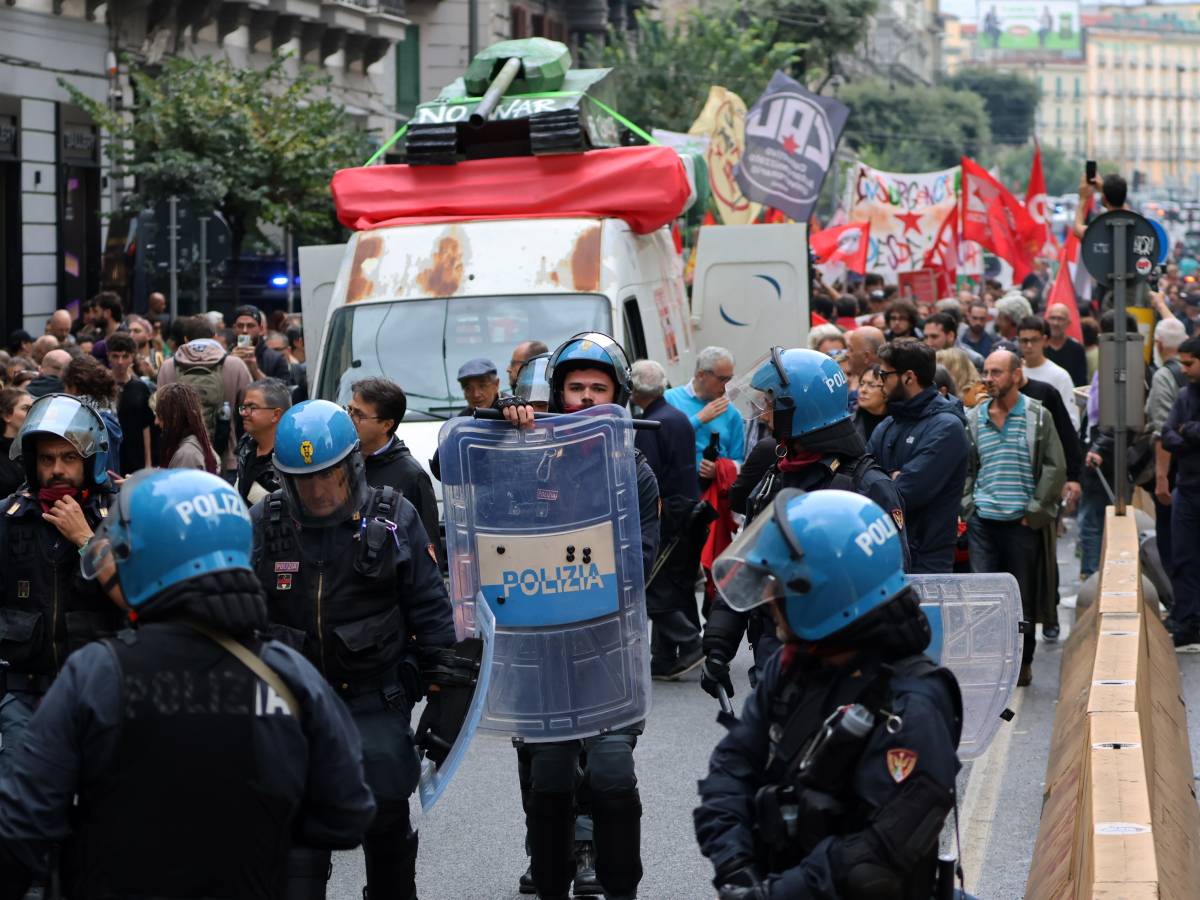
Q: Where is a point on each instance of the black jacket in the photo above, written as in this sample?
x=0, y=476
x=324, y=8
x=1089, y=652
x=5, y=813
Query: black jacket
x=925, y=440
x=43, y=385
x=670, y=450
x=1049, y=397
x=12, y=473
x=894, y=794
x=395, y=466
x=272, y=363
x=1181, y=437
x=76, y=744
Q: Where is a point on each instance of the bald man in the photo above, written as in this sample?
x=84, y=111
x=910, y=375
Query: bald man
x=862, y=346
x=49, y=380
x=521, y=354
x=59, y=325
x=42, y=346
x=1063, y=350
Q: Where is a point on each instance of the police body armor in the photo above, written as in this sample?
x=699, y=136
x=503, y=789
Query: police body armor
x=50, y=609
x=818, y=728
x=179, y=692
x=331, y=592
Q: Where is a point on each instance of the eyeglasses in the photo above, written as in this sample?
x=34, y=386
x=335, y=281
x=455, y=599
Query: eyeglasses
x=884, y=375
x=359, y=416
x=246, y=409
x=1030, y=340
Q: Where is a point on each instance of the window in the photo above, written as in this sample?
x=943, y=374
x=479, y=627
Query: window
x=1078, y=92
x=519, y=22
x=1058, y=91
x=635, y=334
x=408, y=71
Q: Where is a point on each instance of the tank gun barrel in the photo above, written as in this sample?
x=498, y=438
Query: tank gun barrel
x=495, y=92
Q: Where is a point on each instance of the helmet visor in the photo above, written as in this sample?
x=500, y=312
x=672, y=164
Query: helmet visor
x=325, y=497
x=67, y=418
x=746, y=574
x=748, y=400
x=98, y=555
x=532, y=384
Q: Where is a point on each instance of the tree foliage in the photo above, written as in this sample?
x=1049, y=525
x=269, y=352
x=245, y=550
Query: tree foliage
x=665, y=71
x=912, y=128
x=1062, y=173
x=1011, y=99
x=260, y=145
x=825, y=31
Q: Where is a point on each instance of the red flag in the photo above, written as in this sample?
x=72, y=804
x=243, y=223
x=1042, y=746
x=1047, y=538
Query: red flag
x=1064, y=290
x=996, y=220
x=1035, y=203
x=846, y=243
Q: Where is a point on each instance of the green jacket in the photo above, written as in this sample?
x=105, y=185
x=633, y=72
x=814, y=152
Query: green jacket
x=1046, y=454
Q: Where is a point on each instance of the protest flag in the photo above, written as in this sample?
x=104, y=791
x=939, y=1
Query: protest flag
x=845, y=244
x=942, y=257
x=1035, y=204
x=996, y=220
x=1064, y=289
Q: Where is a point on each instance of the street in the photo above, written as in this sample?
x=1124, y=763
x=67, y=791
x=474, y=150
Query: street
x=472, y=843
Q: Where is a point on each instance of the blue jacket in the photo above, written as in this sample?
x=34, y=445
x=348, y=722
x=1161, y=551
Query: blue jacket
x=670, y=450
x=1181, y=437
x=728, y=426
x=925, y=440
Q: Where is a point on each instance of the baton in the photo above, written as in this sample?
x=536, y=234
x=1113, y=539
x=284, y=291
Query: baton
x=495, y=414
x=723, y=699
x=1107, y=487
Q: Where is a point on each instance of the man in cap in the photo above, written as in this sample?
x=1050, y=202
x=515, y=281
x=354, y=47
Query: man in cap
x=480, y=384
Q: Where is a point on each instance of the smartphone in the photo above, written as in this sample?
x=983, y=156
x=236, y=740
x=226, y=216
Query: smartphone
x=243, y=340
x=1091, y=170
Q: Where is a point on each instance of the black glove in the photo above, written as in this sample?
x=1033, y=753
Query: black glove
x=427, y=737
x=743, y=884
x=715, y=673
x=451, y=675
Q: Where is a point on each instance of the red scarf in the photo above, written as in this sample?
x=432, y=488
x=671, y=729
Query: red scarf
x=48, y=496
x=799, y=459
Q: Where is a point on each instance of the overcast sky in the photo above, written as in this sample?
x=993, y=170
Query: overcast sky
x=965, y=9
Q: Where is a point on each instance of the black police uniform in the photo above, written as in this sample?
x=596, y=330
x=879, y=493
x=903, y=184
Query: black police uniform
x=869, y=812
x=47, y=609
x=724, y=629
x=593, y=777
x=367, y=605
x=192, y=775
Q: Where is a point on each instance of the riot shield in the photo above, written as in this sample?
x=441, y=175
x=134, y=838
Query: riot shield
x=435, y=778
x=976, y=635
x=543, y=524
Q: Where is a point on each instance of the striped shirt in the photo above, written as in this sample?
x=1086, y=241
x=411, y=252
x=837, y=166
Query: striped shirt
x=1004, y=485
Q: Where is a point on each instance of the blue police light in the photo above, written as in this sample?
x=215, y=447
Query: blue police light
x=280, y=281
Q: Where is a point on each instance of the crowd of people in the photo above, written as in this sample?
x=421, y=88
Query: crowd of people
x=205, y=493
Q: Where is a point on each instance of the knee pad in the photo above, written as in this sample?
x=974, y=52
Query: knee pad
x=610, y=766
x=553, y=768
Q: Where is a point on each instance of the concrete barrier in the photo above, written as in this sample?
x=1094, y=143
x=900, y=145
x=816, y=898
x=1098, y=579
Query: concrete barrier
x=1119, y=815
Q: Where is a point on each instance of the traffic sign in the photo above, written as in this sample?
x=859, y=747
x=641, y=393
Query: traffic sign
x=1141, y=245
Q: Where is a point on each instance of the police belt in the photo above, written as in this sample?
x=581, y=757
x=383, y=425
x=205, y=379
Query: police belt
x=389, y=689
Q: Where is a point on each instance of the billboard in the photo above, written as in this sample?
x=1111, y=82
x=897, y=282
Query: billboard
x=1039, y=27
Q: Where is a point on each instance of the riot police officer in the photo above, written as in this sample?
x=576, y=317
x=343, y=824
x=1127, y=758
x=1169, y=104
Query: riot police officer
x=352, y=579
x=837, y=778
x=814, y=446
x=197, y=752
x=46, y=608
x=594, y=775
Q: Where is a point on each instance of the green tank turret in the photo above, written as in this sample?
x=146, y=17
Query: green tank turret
x=518, y=98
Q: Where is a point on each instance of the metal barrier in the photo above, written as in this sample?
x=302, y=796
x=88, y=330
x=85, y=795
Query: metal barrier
x=1119, y=815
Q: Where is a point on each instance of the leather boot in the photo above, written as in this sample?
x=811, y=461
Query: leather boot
x=617, y=831
x=550, y=823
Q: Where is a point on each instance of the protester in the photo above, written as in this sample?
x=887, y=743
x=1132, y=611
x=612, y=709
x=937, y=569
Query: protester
x=42, y=346
x=185, y=443
x=872, y=404
x=941, y=333
x=110, y=312
x=1165, y=386
x=826, y=338
x=14, y=404
x=1033, y=332
x=902, y=320
x=1113, y=192
x=968, y=386
x=20, y=343
x=49, y=377
x=1181, y=438
x=148, y=358
x=976, y=335
x=86, y=377
x=133, y=405
x=704, y=402
x=922, y=444
x=59, y=326
x=260, y=360
x=862, y=345
x=263, y=405
x=1011, y=309
x=1012, y=490
x=479, y=383
x=1061, y=348
x=521, y=354
x=1091, y=344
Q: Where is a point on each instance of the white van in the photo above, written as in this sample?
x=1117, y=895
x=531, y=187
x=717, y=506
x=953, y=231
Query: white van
x=412, y=303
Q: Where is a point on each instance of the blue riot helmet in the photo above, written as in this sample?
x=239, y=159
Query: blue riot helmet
x=806, y=392
x=167, y=526
x=316, y=455
x=588, y=350
x=830, y=556
x=533, y=385
x=73, y=420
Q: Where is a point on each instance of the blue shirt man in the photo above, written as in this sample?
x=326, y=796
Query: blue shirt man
x=704, y=402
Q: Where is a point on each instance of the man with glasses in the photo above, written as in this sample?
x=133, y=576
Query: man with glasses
x=1062, y=349
x=480, y=384
x=262, y=406
x=704, y=402
x=377, y=408
x=1032, y=334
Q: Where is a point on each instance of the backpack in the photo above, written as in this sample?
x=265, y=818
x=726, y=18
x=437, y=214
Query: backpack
x=205, y=379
